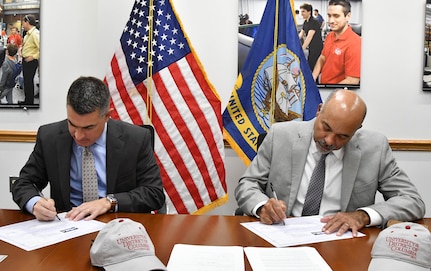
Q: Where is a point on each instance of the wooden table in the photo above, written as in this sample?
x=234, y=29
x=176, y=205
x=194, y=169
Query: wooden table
x=166, y=231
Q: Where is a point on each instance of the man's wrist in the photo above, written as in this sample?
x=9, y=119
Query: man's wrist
x=112, y=200
x=364, y=217
x=258, y=211
x=29, y=206
x=375, y=218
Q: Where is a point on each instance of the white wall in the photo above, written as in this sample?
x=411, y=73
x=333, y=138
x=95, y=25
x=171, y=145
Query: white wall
x=78, y=38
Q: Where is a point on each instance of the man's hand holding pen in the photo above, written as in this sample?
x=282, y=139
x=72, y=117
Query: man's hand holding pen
x=44, y=210
x=274, y=211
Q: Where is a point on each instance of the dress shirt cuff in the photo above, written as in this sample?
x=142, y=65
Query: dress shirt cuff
x=30, y=203
x=375, y=218
x=254, y=211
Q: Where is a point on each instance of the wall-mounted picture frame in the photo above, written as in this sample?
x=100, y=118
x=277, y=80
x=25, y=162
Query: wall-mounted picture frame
x=426, y=82
x=250, y=12
x=20, y=29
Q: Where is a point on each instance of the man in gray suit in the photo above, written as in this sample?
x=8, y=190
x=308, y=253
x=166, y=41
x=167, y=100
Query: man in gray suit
x=128, y=177
x=359, y=163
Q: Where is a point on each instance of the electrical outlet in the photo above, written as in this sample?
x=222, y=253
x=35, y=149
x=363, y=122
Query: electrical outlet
x=12, y=179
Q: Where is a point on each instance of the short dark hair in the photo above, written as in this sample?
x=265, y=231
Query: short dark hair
x=30, y=19
x=87, y=95
x=344, y=3
x=307, y=7
x=12, y=49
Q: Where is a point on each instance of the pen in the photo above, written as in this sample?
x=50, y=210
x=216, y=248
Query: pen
x=275, y=197
x=41, y=194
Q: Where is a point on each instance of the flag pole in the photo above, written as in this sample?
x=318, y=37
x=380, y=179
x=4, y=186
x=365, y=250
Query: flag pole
x=274, y=65
x=149, y=116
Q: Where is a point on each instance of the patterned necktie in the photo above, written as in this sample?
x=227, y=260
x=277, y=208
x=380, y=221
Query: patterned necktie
x=89, y=176
x=315, y=189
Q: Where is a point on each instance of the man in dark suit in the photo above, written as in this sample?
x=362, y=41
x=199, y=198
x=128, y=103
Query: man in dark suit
x=128, y=176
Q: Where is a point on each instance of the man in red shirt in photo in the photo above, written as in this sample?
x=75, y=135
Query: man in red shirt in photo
x=340, y=60
x=14, y=37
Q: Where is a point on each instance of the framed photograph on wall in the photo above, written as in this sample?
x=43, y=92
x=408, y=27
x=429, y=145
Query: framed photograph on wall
x=20, y=43
x=340, y=46
x=427, y=48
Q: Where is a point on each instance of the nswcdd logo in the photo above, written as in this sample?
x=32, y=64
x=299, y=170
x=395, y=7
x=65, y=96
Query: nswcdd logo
x=281, y=86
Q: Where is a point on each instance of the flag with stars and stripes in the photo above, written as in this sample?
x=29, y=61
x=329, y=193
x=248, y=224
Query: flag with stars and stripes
x=155, y=77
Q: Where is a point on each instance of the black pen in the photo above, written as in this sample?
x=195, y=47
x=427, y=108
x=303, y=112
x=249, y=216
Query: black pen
x=275, y=197
x=41, y=195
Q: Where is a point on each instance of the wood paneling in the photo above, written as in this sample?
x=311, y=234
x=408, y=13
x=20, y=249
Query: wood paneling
x=396, y=144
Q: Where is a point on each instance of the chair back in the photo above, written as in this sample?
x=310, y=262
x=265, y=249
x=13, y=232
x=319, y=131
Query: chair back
x=260, y=139
x=151, y=129
x=163, y=209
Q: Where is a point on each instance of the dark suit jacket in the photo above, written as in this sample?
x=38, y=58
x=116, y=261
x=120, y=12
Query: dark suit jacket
x=132, y=172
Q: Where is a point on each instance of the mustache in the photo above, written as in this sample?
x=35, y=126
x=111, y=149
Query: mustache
x=323, y=144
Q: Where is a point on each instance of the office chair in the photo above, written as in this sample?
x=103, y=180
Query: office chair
x=260, y=139
x=163, y=209
x=151, y=129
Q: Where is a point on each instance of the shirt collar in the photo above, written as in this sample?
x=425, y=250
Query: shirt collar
x=101, y=141
x=31, y=30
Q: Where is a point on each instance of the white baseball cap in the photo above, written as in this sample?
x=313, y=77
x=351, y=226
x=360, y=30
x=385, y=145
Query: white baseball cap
x=402, y=246
x=124, y=244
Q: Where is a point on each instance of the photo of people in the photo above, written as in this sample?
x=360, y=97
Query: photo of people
x=427, y=46
x=20, y=55
x=340, y=60
x=330, y=35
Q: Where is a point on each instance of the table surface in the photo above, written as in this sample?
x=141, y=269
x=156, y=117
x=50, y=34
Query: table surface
x=166, y=231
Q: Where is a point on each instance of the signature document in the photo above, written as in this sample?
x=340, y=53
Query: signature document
x=296, y=231
x=211, y=258
x=286, y=258
x=34, y=234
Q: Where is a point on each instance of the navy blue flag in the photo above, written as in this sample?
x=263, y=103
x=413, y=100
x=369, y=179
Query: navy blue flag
x=275, y=83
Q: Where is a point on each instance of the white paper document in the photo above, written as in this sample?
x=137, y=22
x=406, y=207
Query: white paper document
x=287, y=258
x=296, y=231
x=206, y=258
x=34, y=234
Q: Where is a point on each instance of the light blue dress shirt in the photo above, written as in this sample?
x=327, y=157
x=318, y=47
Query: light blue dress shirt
x=99, y=152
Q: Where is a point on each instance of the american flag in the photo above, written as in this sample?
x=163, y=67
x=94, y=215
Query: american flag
x=155, y=77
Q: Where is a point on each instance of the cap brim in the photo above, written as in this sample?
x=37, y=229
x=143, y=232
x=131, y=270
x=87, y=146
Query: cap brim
x=379, y=264
x=146, y=263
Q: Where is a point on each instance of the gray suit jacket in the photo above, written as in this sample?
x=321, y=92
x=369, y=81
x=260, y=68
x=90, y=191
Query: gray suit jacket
x=132, y=173
x=368, y=167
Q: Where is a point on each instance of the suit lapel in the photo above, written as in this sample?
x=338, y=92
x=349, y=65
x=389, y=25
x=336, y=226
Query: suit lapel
x=352, y=158
x=64, y=153
x=114, y=147
x=299, y=157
